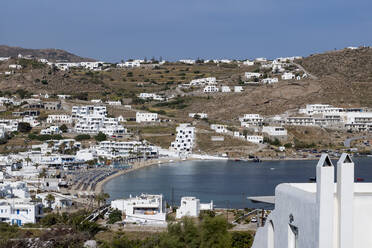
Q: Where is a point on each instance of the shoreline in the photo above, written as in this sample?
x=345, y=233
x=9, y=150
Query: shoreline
x=145, y=164
x=136, y=166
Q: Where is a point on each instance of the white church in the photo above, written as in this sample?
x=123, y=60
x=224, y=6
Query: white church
x=325, y=214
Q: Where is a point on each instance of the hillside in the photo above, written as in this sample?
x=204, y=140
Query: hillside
x=348, y=65
x=343, y=79
x=52, y=55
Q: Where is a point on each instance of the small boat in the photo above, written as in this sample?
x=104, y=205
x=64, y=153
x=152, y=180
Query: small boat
x=237, y=160
x=359, y=179
x=312, y=179
x=257, y=160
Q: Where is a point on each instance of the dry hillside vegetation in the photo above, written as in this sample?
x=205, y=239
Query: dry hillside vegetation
x=347, y=65
x=52, y=55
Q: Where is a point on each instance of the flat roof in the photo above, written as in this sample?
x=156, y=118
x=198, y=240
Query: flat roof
x=262, y=199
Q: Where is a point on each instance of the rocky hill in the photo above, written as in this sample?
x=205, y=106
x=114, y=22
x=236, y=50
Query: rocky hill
x=52, y=55
x=347, y=64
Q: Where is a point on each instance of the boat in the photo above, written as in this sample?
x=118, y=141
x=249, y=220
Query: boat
x=257, y=160
x=359, y=179
x=312, y=179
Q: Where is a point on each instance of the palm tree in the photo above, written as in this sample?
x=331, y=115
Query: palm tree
x=101, y=198
x=50, y=199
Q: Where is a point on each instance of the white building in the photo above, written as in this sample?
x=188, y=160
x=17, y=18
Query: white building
x=238, y=89
x=312, y=109
x=60, y=119
x=218, y=128
x=274, y=131
x=323, y=214
x=51, y=130
x=191, y=207
x=250, y=75
x=251, y=120
x=126, y=148
x=92, y=120
x=146, y=117
x=210, y=89
x=9, y=125
x=255, y=139
x=129, y=64
x=114, y=103
x=269, y=80
x=300, y=121
x=248, y=63
x=203, y=81
x=60, y=201
x=200, y=115
x=225, y=89
x=187, y=61
x=142, y=209
x=288, y=76
x=17, y=67
x=18, y=211
x=185, y=135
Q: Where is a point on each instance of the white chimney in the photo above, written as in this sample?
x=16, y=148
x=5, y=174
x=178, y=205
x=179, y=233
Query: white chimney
x=345, y=196
x=325, y=201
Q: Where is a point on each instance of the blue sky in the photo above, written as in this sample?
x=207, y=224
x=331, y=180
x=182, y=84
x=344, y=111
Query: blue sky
x=112, y=30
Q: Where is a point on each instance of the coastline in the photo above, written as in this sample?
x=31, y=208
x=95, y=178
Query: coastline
x=136, y=166
x=144, y=164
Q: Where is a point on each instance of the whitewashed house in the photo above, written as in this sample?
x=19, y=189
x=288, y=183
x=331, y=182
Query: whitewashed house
x=13, y=66
x=60, y=119
x=187, y=61
x=203, y=81
x=323, y=214
x=16, y=211
x=257, y=139
x=51, y=130
x=250, y=75
x=300, y=121
x=144, y=209
x=288, y=76
x=225, y=89
x=146, y=117
x=129, y=64
x=238, y=89
x=249, y=120
x=274, y=131
x=248, y=63
x=60, y=201
x=218, y=128
x=190, y=206
x=210, y=89
x=200, y=115
x=269, y=80
x=114, y=103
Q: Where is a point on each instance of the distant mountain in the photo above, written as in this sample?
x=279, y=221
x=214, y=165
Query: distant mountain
x=53, y=55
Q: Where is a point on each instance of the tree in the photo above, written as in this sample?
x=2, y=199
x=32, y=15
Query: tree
x=63, y=128
x=101, y=198
x=214, y=233
x=50, y=199
x=100, y=137
x=114, y=216
x=24, y=127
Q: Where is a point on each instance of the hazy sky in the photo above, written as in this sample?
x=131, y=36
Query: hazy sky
x=112, y=30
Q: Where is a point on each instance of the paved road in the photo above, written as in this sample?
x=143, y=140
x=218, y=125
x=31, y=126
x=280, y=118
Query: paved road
x=347, y=142
x=302, y=68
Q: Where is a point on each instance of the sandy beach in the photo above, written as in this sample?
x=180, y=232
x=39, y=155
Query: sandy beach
x=136, y=166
